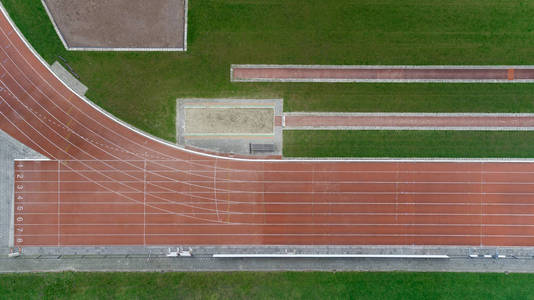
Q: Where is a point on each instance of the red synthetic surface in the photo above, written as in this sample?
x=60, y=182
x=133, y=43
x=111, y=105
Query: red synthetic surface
x=327, y=120
x=108, y=185
x=385, y=73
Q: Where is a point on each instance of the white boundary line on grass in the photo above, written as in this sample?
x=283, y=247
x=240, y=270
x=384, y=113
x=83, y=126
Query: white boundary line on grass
x=64, y=42
x=307, y=159
x=378, y=67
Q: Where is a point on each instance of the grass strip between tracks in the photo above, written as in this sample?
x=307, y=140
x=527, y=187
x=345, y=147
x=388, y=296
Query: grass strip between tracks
x=371, y=143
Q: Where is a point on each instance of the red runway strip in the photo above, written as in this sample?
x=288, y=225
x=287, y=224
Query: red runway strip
x=408, y=121
x=109, y=185
x=310, y=73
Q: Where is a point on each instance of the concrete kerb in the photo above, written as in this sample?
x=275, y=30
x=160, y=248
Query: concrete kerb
x=64, y=42
x=185, y=24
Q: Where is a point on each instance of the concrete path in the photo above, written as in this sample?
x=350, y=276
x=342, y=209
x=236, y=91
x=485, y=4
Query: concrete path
x=408, y=121
x=344, y=73
x=10, y=149
x=513, y=259
x=132, y=263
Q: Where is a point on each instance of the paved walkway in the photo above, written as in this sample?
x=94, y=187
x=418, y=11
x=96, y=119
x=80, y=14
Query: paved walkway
x=408, y=121
x=513, y=259
x=10, y=149
x=343, y=73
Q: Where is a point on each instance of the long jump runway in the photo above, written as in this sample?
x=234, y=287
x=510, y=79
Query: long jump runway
x=107, y=184
x=344, y=73
x=408, y=121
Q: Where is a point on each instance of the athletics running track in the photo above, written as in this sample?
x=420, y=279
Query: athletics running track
x=108, y=185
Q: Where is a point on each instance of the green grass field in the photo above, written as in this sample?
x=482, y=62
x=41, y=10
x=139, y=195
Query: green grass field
x=474, y=144
x=141, y=88
x=268, y=285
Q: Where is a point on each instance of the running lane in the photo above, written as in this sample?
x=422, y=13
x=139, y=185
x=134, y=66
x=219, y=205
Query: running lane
x=106, y=184
x=342, y=73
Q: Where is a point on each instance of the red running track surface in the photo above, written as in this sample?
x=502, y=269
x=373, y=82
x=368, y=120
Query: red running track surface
x=409, y=120
x=109, y=185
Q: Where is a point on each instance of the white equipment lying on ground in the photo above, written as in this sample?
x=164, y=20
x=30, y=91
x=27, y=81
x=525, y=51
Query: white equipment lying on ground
x=292, y=255
x=179, y=252
x=495, y=256
x=13, y=253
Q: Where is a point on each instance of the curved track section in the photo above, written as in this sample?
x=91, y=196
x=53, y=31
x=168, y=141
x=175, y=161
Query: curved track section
x=107, y=184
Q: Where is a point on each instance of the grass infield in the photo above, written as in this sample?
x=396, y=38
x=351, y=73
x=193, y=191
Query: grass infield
x=371, y=143
x=266, y=285
x=141, y=88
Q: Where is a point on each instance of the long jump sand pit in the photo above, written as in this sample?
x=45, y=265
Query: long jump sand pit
x=230, y=126
x=120, y=24
x=229, y=120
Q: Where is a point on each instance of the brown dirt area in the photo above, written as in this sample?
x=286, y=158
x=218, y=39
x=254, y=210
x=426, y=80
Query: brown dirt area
x=229, y=120
x=120, y=23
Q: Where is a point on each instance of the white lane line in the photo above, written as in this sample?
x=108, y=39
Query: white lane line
x=291, y=214
x=254, y=203
x=282, y=224
x=301, y=235
x=290, y=182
